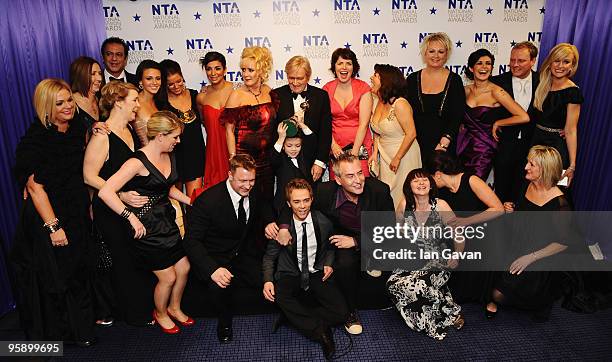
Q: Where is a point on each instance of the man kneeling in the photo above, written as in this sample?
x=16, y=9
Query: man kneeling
x=291, y=272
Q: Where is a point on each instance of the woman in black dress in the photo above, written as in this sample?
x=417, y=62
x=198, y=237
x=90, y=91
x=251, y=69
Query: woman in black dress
x=105, y=153
x=158, y=246
x=473, y=202
x=178, y=99
x=533, y=240
x=85, y=81
x=436, y=96
x=559, y=100
x=52, y=237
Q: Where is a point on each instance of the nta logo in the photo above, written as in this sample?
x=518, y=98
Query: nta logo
x=346, y=5
x=226, y=8
x=164, y=9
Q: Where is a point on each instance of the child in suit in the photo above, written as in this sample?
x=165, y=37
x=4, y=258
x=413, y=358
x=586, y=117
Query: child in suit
x=288, y=162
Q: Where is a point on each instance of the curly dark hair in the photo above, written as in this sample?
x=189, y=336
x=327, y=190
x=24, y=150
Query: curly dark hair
x=409, y=195
x=473, y=58
x=392, y=82
x=344, y=53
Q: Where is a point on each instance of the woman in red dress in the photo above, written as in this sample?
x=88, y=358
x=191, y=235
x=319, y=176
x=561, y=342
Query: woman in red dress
x=351, y=107
x=248, y=116
x=211, y=103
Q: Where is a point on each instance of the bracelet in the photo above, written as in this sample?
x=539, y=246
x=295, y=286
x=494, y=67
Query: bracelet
x=119, y=195
x=447, y=136
x=571, y=168
x=125, y=213
x=443, y=146
x=52, y=226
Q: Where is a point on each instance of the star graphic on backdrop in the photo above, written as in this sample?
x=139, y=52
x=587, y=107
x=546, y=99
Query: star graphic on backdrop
x=230, y=50
x=432, y=11
x=257, y=14
x=136, y=17
x=347, y=45
x=512, y=43
x=542, y=10
x=287, y=48
x=489, y=10
x=458, y=44
x=315, y=12
x=376, y=11
x=170, y=51
x=197, y=16
x=404, y=44
x=317, y=80
x=203, y=83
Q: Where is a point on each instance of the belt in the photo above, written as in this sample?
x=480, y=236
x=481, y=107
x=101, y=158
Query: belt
x=552, y=130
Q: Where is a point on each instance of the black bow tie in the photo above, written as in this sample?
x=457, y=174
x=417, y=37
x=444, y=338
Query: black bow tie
x=113, y=78
x=295, y=95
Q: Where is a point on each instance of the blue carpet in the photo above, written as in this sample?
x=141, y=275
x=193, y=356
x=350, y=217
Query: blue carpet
x=510, y=336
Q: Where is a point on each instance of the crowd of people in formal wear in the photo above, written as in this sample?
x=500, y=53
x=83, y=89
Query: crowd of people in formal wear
x=272, y=197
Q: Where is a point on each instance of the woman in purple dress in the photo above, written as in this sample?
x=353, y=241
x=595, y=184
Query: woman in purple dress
x=477, y=139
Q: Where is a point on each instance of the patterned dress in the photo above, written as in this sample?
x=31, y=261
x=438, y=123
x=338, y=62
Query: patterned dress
x=422, y=296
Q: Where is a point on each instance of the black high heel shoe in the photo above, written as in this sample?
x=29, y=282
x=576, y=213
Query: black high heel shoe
x=489, y=313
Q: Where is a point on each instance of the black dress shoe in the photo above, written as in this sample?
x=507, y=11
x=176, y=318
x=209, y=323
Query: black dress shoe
x=327, y=343
x=224, y=332
x=280, y=321
x=86, y=342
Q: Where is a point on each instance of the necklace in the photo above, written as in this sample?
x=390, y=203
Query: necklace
x=255, y=95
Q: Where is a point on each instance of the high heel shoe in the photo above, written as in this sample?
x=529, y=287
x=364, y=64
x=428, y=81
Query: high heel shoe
x=173, y=330
x=187, y=323
x=459, y=322
x=489, y=313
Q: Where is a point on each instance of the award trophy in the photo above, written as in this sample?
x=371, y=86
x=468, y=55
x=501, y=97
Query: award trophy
x=292, y=122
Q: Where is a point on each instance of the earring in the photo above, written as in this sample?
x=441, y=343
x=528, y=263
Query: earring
x=47, y=123
x=140, y=86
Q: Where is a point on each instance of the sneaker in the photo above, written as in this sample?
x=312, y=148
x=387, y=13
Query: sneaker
x=353, y=325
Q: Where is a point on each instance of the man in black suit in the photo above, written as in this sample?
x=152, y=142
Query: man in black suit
x=342, y=201
x=305, y=266
x=317, y=117
x=219, y=240
x=520, y=82
x=115, y=55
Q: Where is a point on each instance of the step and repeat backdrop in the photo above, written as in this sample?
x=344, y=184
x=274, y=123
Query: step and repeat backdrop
x=378, y=31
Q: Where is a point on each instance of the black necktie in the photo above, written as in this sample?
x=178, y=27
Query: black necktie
x=113, y=78
x=305, y=272
x=242, y=219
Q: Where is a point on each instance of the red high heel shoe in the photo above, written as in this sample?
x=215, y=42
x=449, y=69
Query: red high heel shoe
x=173, y=330
x=187, y=323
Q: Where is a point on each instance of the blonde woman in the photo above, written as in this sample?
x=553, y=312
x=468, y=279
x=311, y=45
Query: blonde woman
x=559, y=99
x=158, y=245
x=248, y=116
x=52, y=235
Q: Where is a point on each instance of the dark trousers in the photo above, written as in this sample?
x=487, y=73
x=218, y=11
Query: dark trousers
x=347, y=270
x=509, y=166
x=329, y=309
x=247, y=273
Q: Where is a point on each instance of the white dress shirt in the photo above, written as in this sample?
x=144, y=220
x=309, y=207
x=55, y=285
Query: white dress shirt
x=522, y=91
x=107, y=76
x=236, y=200
x=312, y=242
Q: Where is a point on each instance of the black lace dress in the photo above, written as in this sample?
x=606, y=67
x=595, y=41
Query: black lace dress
x=52, y=282
x=161, y=247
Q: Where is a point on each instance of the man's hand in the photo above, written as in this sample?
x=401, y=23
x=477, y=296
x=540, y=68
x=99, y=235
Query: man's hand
x=284, y=237
x=342, y=241
x=268, y=291
x=316, y=171
x=133, y=198
x=100, y=127
x=327, y=272
x=271, y=231
x=222, y=277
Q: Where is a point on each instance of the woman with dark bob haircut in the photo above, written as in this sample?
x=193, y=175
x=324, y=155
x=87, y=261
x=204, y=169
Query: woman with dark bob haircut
x=422, y=296
x=351, y=107
x=396, y=151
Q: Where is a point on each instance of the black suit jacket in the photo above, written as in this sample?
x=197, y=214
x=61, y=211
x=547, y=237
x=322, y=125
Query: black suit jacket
x=509, y=133
x=376, y=196
x=130, y=78
x=213, y=237
x=282, y=260
x=285, y=171
x=317, y=118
